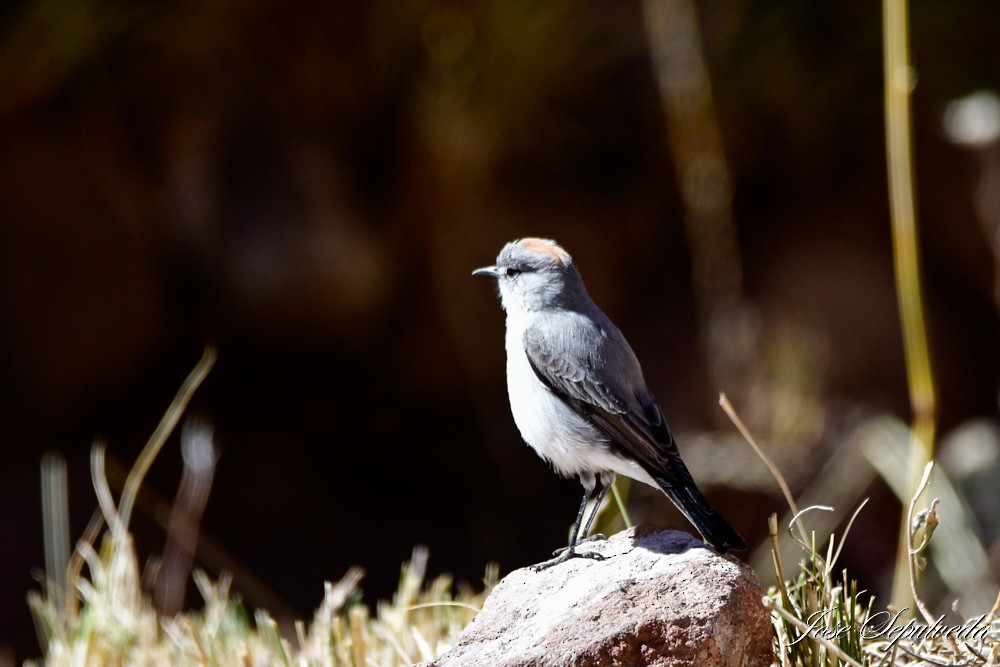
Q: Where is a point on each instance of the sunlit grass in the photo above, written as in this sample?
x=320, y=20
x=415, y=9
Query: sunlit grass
x=821, y=618
x=116, y=623
x=96, y=609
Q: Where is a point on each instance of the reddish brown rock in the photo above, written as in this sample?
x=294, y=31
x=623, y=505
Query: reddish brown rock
x=661, y=598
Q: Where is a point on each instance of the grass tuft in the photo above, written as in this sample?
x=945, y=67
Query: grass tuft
x=821, y=618
x=96, y=611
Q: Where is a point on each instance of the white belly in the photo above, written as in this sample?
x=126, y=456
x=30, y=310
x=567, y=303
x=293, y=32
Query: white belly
x=571, y=444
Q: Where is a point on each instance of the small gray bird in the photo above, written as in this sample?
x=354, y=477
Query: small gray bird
x=577, y=393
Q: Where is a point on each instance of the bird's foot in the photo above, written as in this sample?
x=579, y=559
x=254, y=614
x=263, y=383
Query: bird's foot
x=566, y=553
x=596, y=537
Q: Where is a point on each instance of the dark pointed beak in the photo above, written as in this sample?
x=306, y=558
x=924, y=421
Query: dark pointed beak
x=488, y=271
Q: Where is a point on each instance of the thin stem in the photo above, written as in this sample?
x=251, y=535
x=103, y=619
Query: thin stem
x=160, y=435
x=778, y=477
x=898, y=85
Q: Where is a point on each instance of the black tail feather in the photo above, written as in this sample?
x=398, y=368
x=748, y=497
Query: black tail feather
x=713, y=528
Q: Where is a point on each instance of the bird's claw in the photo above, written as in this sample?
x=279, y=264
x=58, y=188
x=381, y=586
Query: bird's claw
x=596, y=537
x=566, y=553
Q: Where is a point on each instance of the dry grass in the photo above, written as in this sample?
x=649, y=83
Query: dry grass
x=820, y=618
x=96, y=609
x=116, y=623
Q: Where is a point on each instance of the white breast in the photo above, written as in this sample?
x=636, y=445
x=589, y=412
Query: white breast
x=556, y=433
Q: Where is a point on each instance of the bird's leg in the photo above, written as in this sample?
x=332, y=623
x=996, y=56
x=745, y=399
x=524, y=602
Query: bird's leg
x=564, y=554
x=598, y=494
x=575, y=534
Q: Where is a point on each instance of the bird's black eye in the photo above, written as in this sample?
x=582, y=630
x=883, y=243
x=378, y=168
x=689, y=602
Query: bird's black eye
x=515, y=271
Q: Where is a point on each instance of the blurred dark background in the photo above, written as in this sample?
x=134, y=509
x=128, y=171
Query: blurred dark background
x=308, y=185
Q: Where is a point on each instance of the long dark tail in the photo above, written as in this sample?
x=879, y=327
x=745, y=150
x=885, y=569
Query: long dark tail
x=699, y=512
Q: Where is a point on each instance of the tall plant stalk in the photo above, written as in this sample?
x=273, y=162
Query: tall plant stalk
x=898, y=85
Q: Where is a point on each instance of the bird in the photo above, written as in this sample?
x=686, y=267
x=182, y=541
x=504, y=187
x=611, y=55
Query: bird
x=578, y=396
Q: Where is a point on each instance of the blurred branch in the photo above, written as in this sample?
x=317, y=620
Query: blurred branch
x=55, y=523
x=973, y=122
x=696, y=144
x=730, y=325
x=199, y=456
x=208, y=551
x=898, y=84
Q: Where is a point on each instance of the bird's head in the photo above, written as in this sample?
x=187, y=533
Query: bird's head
x=536, y=274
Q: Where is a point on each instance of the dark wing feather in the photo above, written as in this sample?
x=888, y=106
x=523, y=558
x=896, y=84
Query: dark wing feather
x=643, y=436
x=632, y=424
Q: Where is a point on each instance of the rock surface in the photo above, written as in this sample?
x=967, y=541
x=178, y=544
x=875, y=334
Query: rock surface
x=661, y=598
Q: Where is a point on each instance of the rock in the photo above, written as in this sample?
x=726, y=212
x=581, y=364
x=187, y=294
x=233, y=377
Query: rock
x=661, y=598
